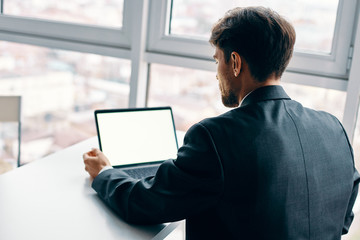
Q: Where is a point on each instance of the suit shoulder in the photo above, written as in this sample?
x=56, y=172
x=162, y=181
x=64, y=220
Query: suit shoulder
x=229, y=115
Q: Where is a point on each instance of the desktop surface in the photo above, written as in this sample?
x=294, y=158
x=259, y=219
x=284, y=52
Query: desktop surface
x=52, y=198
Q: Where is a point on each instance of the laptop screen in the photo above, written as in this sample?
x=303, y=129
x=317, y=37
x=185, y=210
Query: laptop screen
x=134, y=136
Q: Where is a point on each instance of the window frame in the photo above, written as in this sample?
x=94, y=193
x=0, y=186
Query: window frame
x=335, y=65
x=70, y=36
x=152, y=45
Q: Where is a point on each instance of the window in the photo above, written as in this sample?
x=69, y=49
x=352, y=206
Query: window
x=60, y=90
x=8, y=146
x=193, y=94
x=314, y=20
x=321, y=99
x=356, y=144
x=324, y=30
x=77, y=25
x=74, y=11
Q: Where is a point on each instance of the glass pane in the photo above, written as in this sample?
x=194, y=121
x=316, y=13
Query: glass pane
x=322, y=99
x=89, y=12
x=314, y=21
x=354, y=232
x=8, y=146
x=193, y=94
x=60, y=90
x=356, y=143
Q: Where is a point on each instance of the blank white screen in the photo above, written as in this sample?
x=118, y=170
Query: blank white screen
x=137, y=136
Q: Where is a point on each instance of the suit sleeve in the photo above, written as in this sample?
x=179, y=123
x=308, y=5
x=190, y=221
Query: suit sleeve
x=190, y=184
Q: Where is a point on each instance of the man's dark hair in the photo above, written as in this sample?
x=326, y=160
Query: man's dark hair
x=261, y=36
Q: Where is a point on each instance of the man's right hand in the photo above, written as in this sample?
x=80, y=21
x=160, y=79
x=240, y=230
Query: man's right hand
x=94, y=161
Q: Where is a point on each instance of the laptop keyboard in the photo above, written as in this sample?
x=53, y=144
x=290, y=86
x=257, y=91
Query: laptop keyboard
x=139, y=173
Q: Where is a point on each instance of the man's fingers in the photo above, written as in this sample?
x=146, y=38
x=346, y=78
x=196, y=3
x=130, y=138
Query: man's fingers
x=96, y=151
x=89, y=160
x=86, y=157
x=89, y=155
x=94, y=161
x=93, y=153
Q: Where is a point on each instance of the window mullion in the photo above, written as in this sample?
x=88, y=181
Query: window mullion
x=139, y=68
x=353, y=90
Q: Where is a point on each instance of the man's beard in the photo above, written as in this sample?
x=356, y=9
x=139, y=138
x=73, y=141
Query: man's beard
x=229, y=99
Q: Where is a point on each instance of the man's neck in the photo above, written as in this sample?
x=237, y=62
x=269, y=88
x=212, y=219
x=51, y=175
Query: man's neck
x=255, y=85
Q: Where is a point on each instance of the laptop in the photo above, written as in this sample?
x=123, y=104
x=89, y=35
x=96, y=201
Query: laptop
x=137, y=140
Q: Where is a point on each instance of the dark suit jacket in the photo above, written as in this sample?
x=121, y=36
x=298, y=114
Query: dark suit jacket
x=270, y=169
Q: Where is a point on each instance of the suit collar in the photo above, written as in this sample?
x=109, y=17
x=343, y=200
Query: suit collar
x=265, y=93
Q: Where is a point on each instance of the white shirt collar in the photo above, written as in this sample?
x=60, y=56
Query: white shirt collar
x=244, y=98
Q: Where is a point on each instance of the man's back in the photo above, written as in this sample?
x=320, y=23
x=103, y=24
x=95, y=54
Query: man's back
x=288, y=170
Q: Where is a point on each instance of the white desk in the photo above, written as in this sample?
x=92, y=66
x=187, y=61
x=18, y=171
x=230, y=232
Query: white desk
x=51, y=198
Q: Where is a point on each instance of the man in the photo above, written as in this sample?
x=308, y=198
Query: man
x=268, y=169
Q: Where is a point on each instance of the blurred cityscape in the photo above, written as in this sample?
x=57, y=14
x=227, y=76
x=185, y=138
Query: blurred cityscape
x=59, y=92
x=61, y=89
x=314, y=21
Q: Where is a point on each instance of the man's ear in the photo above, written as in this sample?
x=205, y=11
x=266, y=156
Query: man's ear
x=236, y=63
